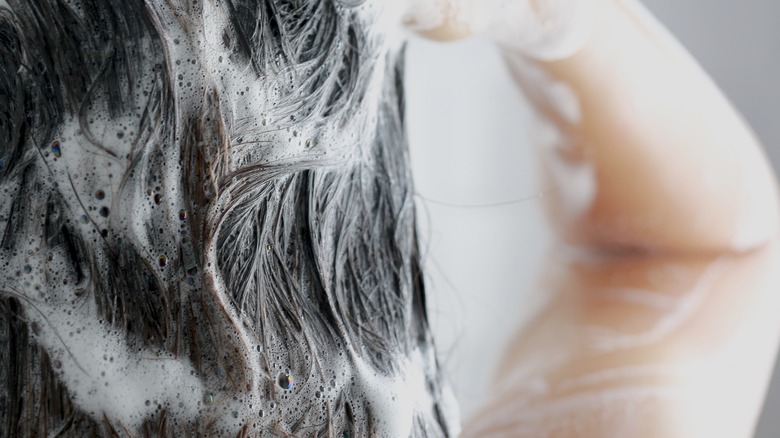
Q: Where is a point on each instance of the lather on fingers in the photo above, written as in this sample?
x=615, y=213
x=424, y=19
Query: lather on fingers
x=545, y=30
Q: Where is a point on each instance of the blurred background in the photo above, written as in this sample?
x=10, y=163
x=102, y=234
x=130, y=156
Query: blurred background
x=479, y=206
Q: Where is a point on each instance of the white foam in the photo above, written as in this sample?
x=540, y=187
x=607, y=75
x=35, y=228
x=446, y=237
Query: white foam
x=683, y=309
x=104, y=375
x=575, y=180
x=394, y=399
x=557, y=113
x=544, y=30
x=107, y=377
x=606, y=376
x=424, y=15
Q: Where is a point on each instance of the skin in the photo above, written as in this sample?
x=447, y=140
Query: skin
x=662, y=320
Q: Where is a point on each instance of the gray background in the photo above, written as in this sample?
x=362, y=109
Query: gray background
x=481, y=260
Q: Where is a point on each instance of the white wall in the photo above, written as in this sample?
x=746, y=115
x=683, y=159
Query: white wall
x=469, y=148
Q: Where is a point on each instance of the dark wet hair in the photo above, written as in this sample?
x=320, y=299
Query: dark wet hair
x=312, y=256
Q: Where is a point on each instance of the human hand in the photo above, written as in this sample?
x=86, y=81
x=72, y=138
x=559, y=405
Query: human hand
x=539, y=29
x=664, y=282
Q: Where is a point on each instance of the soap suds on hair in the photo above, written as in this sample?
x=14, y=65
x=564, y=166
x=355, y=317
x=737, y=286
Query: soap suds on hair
x=209, y=227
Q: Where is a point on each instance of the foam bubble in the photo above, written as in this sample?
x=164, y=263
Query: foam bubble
x=109, y=376
x=105, y=376
x=545, y=30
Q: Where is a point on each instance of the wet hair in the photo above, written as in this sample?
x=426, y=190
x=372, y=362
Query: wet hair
x=222, y=200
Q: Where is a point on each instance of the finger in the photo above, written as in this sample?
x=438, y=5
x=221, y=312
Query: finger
x=544, y=30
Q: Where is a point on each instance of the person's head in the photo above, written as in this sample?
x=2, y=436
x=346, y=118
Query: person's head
x=206, y=223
